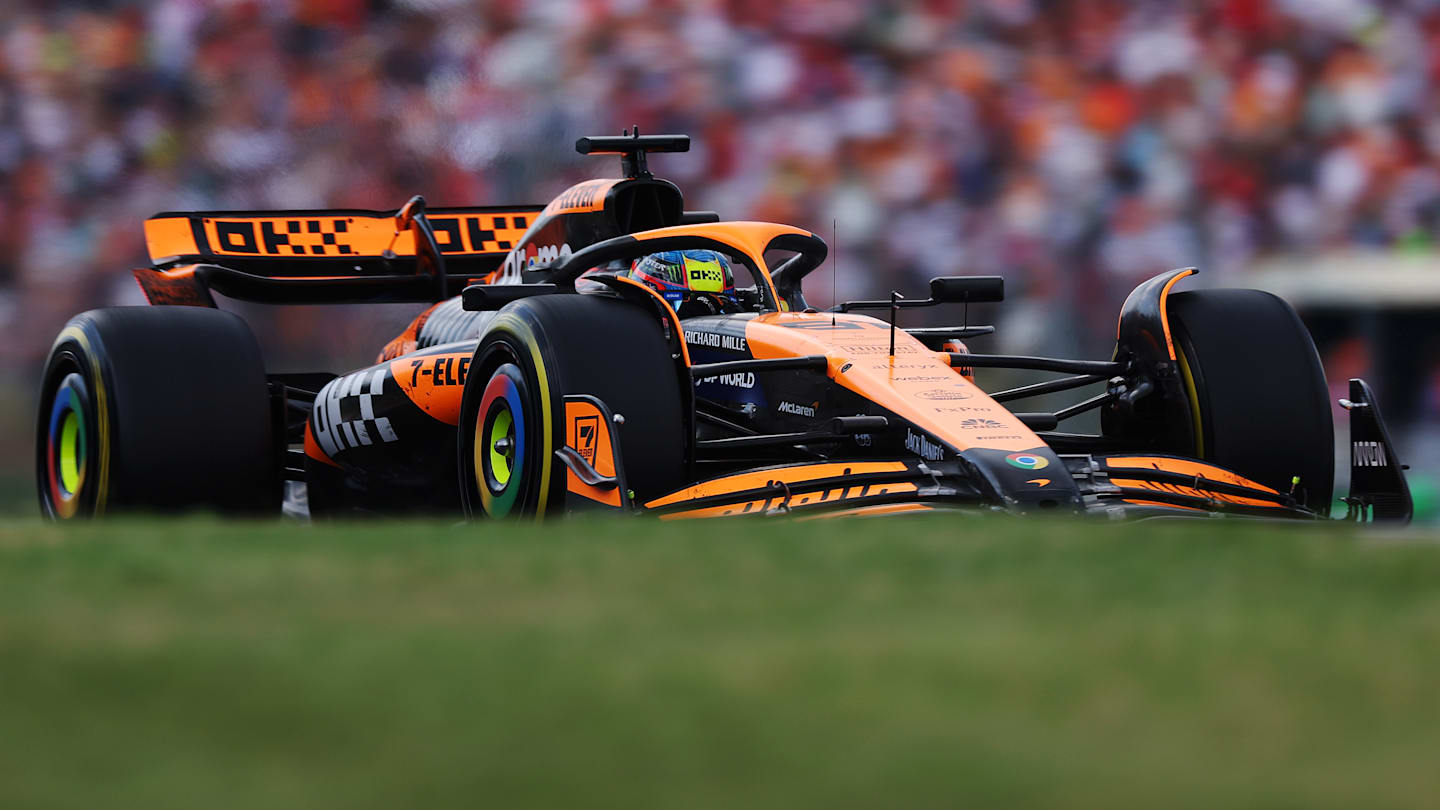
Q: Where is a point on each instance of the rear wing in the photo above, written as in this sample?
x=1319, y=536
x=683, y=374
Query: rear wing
x=334, y=256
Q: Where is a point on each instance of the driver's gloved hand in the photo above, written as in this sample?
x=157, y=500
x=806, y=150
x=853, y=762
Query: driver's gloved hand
x=697, y=305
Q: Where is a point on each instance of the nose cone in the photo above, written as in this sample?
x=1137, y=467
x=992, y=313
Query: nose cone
x=1027, y=481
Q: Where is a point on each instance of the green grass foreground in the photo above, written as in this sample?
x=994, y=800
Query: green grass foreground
x=907, y=663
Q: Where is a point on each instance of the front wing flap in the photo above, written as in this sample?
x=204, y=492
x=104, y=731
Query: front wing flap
x=815, y=487
x=1119, y=486
x=1136, y=484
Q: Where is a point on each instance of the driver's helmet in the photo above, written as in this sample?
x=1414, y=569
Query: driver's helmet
x=695, y=282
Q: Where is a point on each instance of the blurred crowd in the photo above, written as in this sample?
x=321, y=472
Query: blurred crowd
x=1073, y=147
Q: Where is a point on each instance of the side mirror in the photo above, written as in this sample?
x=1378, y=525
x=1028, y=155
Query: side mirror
x=967, y=289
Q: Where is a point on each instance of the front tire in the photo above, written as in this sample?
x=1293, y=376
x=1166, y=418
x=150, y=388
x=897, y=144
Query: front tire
x=534, y=353
x=1259, y=401
x=155, y=409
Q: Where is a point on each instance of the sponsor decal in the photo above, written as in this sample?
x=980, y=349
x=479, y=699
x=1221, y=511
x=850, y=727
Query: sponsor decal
x=785, y=502
x=586, y=196
x=832, y=325
x=704, y=276
x=442, y=370
x=1027, y=461
x=715, y=340
x=579, y=196
x=327, y=236
x=880, y=348
x=587, y=428
x=1368, y=454
x=944, y=394
x=920, y=445
x=798, y=410
x=344, y=414
x=741, y=379
x=334, y=236
x=846, y=367
x=1039, y=482
x=981, y=424
x=962, y=409
x=530, y=256
x=863, y=440
x=545, y=254
x=929, y=378
x=985, y=437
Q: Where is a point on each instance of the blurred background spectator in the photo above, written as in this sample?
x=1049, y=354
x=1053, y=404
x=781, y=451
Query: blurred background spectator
x=1073, y=147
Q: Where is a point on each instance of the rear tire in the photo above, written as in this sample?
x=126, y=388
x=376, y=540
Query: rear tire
x=1259, y=399
x=155, y=409
x=535, y=352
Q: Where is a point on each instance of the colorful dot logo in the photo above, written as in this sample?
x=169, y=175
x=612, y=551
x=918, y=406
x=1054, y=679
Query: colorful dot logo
x=1027, y=461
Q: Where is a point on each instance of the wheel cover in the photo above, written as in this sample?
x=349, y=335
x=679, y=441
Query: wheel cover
x=499, y=448
x=502, y=445
x=67, y=446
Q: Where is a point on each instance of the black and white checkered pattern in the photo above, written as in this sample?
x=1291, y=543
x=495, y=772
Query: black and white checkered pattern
x=344, y=415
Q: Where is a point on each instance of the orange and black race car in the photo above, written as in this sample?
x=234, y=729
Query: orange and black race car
x=612, y=351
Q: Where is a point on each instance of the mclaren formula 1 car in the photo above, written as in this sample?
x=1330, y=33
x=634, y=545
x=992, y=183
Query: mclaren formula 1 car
x=545, y=379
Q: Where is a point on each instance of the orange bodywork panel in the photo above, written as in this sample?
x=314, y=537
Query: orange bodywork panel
x=312, y=448
x=318, y=234
x=176, y=286
x=170, y=236
x=916, y=383
x=1192, y=492
x=587, y=433
x=1198, y=470
x=1138, y=502
x=740, y=482
x=1185, y=467
x=581, y=198
x=434, y=382
x=758, y=506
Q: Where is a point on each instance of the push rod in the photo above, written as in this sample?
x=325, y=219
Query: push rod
x=812, y=362
x=1081, y=407
x=1047, y=387
x=768, y=440
x=1097, y=367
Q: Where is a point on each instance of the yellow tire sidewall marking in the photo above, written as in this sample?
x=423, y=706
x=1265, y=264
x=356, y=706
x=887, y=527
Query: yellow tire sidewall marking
x=102, y=413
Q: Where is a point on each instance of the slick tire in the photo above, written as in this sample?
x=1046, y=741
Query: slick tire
x=155, y=409
x=535, y=352
x=1259, y=401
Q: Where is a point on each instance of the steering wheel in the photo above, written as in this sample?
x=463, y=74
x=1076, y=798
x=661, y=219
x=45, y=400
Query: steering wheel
x=700, y=303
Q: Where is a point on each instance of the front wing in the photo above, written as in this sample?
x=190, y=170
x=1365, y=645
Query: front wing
x=1122, y=485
